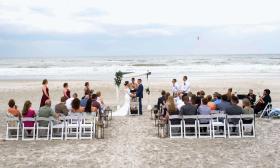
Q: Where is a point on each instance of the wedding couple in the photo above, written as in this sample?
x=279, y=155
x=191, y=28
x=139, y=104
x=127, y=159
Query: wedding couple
x=124, y=110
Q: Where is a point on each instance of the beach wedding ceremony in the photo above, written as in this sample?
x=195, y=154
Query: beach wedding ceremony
x=139, y=84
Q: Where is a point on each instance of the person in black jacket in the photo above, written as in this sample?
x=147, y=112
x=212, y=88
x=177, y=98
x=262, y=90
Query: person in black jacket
x=161, y=99
x=139, y=94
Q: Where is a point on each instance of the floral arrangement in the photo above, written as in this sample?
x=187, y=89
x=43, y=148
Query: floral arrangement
x=118, y=78
x=148, y=91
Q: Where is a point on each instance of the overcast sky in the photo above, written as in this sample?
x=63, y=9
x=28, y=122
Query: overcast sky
x=136, y=27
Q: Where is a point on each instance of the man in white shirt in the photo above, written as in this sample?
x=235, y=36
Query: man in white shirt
x=175, y=87
x=68, y=102
x=186, y=87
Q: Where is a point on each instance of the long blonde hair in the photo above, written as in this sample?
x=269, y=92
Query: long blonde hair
x=171, y=105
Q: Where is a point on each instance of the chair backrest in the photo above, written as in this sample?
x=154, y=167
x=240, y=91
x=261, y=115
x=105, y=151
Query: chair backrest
x=215, y=111
x=204, y=116
x=234, y=116
x=175, y=117
x=247, y=116
x=43, y=118
x=189, y=116
x=219, y=115
x=11, y=118
x=27, y=119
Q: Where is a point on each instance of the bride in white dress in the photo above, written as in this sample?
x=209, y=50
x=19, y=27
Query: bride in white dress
x=123, y=111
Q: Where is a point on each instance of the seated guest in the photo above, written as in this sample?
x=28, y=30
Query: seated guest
x=247, y=109
x=171, y=110
x=202, y=94
x=76, y=106
x=204, y=109
x=217, y=98
x=234, y=109
x=210, y=104
x=88, y=107
x=252, y=97
x=46, y=111
x=178, y=100
x=69, y=101
x=100, y=99
x=263, y=101
x=28, y=112
x=198, y=98
x=188, y=108
x=61, y=108
x=224, y=103
x=85, y=99
x=164, y=104
x=96, y=107
x=193, y=100
x=13, y=109
x=161, y=99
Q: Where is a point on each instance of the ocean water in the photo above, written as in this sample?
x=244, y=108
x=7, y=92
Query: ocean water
x=162, y=67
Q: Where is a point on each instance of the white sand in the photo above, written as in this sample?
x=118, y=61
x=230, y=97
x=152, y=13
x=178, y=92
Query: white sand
x=133, y=141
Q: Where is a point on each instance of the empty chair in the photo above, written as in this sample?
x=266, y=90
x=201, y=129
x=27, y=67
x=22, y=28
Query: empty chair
x=28, y=129
x=42, y=128
x=12, y=130
x=266, y=110
x=72, y=127
x=204, y=126
x=234, y=126
x=190, y=126
x=87, y=126
x=175, y=126
x=57, y=128
x=248, y=125
x=219, y=125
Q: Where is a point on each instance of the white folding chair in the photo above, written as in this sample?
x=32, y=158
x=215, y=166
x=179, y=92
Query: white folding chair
x=72, y=127
x=206, y=125
x=42, y=128
x=234, y=122
x=218, y=121
x=266, y=111
x=248, y=128
x=25, y=129
x=12, y=127
x=190, y=122
x=57, y=128
x=175, y=130
x=87, y=126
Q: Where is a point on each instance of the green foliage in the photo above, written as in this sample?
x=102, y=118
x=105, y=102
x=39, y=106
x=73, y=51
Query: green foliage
x=148, y=91
x=118, y=78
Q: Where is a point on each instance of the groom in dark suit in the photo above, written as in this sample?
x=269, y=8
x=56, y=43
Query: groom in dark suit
x=139, y=94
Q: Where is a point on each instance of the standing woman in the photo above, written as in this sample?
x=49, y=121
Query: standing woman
x=45, y=91
x=66, y=91
x=87, y=88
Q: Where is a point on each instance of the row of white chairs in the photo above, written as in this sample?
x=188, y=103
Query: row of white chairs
x=74, y=126
x=190, y=126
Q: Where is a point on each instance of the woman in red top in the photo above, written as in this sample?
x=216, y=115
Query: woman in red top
x=45, y=91
x=66, y=91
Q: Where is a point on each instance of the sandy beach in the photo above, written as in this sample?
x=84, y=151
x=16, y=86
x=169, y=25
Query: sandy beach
x=133, y=141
